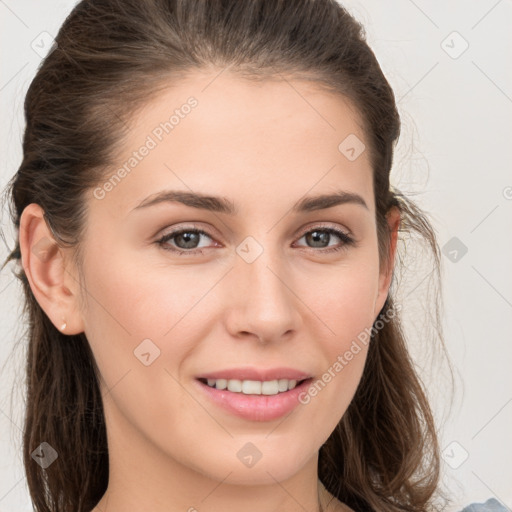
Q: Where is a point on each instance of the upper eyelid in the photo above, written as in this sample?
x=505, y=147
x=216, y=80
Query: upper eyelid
x=321, y=226
x=177, y=231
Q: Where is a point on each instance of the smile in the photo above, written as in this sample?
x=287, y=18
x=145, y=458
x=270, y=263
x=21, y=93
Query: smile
x=254, y=400
x=253, y=387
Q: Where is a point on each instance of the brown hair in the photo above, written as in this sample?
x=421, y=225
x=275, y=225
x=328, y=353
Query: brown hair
x=110, y=57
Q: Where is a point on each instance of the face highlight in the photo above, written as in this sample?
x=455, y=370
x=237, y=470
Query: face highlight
x=244, y=238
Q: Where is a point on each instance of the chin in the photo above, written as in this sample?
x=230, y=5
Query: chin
x=248, y=465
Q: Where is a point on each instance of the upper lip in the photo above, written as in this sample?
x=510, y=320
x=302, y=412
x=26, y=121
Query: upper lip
x=251, y=373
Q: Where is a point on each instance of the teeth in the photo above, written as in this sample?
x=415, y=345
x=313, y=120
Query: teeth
x=253, y=387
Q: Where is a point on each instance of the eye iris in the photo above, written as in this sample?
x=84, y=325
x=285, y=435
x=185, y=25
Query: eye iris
x=318, y=236
x=191, y=239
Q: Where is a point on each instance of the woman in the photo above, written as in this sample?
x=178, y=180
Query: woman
x=208, y=238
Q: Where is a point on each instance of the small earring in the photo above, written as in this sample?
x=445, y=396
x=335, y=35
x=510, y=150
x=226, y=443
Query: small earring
x=63, y=326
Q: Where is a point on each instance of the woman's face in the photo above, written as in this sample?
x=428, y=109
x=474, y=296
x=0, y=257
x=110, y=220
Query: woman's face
x=252, y=281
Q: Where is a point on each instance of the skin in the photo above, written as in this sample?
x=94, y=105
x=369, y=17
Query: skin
x=264, y=146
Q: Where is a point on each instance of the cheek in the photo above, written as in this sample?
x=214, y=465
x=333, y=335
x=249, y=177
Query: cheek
x=131, y=312
x=346, y=311
x=128, y=303
x=344, y=299
x=139, y=300
x=343, y=305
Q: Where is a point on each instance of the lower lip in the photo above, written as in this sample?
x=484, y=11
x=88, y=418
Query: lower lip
x=256, y=407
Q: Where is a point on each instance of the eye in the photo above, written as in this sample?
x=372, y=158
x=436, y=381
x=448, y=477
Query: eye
x=321, y=235
x=186, y=240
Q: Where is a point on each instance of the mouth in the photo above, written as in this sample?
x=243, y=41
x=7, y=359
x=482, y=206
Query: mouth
x=254, y=400
x=254, y=387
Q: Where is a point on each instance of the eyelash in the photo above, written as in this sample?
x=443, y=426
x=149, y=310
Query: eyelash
x=347, y=240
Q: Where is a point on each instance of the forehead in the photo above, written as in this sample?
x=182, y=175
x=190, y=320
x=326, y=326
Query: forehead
x=225, y=134
x=260, y=106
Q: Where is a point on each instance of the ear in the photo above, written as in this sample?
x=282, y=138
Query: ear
x=386, y=275
x=53, y=284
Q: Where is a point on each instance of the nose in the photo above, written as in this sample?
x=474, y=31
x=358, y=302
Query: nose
x=262, y=303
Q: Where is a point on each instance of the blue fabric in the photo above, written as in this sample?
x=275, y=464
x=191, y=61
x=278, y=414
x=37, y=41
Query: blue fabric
x=491, y=505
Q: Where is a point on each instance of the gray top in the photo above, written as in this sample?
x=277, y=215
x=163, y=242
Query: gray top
x=491, y=505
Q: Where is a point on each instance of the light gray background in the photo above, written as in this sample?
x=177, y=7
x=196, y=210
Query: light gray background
x=455, y=155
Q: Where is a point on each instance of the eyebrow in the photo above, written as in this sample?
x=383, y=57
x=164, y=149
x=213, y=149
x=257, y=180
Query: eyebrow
x=224, y=205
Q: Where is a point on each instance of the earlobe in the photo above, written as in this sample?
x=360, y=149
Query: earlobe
x=45, y=268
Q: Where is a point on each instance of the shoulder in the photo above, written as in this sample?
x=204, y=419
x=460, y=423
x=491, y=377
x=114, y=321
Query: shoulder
x=491, y=505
